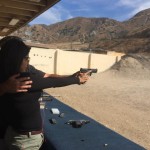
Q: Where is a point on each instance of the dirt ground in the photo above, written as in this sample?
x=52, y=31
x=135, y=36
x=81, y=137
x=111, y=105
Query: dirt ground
x=118, y=98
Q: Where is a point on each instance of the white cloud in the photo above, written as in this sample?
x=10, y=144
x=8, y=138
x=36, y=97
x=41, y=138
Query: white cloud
x=141, y=7
x=52, y=15
x=85, y=4
x=130, y=3
x=135, y=6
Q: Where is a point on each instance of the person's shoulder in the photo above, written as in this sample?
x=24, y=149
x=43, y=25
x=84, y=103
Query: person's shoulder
x=33, y=70
x=30, y=68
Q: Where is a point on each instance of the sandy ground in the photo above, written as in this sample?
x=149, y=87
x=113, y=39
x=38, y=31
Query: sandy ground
x=118, y=98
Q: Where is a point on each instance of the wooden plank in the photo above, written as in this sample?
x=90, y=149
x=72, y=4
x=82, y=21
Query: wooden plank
x=19, y=5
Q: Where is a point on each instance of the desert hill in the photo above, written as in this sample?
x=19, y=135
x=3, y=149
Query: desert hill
x=130, y=36
x=133, y=66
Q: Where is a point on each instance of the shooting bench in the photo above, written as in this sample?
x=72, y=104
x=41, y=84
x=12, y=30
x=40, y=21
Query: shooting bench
x=60, y=135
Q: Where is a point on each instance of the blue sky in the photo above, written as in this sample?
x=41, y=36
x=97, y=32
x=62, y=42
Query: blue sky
x=120, y=10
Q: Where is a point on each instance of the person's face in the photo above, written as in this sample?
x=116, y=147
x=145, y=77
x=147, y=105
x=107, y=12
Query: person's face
x=25, y=63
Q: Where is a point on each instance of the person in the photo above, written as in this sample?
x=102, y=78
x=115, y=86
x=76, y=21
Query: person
x=14, y=84
x=20, y=112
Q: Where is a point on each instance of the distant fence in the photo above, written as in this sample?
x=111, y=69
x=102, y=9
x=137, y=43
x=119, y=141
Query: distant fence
x=67, y=62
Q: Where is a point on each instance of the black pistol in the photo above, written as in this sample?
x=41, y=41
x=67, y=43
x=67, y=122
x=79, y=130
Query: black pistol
x=84, y=70
x=77, y=123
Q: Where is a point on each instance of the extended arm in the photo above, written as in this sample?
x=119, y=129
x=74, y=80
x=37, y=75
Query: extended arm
x=49, y=82
x=43, y=80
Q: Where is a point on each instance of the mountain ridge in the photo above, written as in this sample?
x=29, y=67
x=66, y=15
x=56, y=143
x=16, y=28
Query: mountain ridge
x=98, y=33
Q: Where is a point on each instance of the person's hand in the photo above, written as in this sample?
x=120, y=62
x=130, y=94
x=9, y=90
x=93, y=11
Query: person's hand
x=76, y=74
x=83, y=77
x=15, y=84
